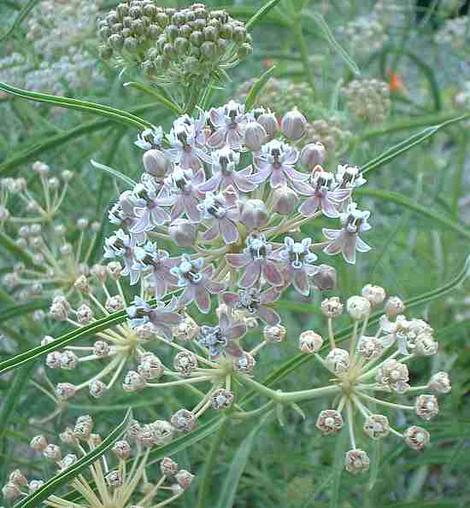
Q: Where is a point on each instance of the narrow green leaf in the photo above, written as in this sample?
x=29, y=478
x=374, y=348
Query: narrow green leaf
x=20, y=310
x=257, y=87
x=239, y=462
x=261, y=13
x=71, y=472
x=155, y=93
x=114, y=172
x=328, y=35
x=426, y=211
x=114, y=114
x=409, y=143
x=28, y=7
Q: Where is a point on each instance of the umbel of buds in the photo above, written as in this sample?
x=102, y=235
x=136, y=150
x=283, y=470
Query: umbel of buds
x=119, y=484
x=173, y=45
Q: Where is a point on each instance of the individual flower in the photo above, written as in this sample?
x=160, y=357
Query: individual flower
x=222, y=338
x=221, y=213
x=253, y=303
x=229, y=123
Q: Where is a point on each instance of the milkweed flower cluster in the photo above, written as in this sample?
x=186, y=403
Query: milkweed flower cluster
x=28, y=219
x=58, y=32
x=364, y=34
x=173, y=45
x=368, y=99
x=118, y=478
x=372, y=373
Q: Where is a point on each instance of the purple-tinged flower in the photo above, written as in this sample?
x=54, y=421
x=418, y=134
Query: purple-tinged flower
x=276, y=161
x=349, y=177
x=323, y=195
x=298, y=262
x=158, y=264
x=222, y=339
x=163, y=318
x=187, y=139
x=122, y=245
x=258, y=260
x=224, y=174
x=149, y=138
x=181, y=189
x=229, y=124
x=197, y=282
x=254, y=303
x=221, y=213
x=148, y=209
x=346, y=240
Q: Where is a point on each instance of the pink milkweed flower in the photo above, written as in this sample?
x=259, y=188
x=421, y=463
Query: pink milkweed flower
x=163, y=318
x=346, y=240
x=222, y=339
x=276, y=161
x=324, y=195
x=254, y=303
x=224, y=174
x=187, y=139
x=148, y=211
x=122, y=245
x=229, y=124
x=197, y=282
x=181, y=189
x=149, y=138
x=221, y=213
x=258, y=260
x=297, y=260
x=157, y=264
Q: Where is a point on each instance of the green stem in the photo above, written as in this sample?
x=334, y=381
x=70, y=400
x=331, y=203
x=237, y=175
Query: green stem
x=207, y=479
x=299, y=35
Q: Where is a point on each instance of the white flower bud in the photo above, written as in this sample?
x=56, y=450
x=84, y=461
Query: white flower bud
x=394, y=375
x=100, y=272
x=255, y=136
x=426, y=406
x=276, y=333
x=244, y=363
x=293, y=125
x=38, y=443
x=254, y=213
x=133, y=382
x=35, y=485
x=185, y=363
x=11, y=491
x=313, y=154
x=53, y=359
x=122, y=449
x=40, y=168
x=425, y=345
x=47, y=339
x=440, y=383
x=168, y=467
x=82, y=284
x=163, y=432
x=284, y=200
x=416, y=437
x=184, y=478
x=356, y=461
x=310, y=342
x=65, y=391
x=101, y=348
x=150, y=366
x=393, y=307
x=329, y=421
x=114, y=269
x=324, y=278
x=18, y=478
x=68, y=436
x=337, y=360
x=182, y=232
x=68, y=360
x=60, y=308
x=156, y=163
x=114, y=304
x=221, y=399
x=52, y=452
x=269, y=123
x=376, y=426
x=375, y=294
x=358, y=307
x=370, y=348
x=83, y=427
x=69, y=460
x=332, y=307
x=97, y=388
x=114, y=478
x=183, y=420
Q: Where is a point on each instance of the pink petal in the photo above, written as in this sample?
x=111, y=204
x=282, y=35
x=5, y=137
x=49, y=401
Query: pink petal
x=251, y=275
x=272, y=274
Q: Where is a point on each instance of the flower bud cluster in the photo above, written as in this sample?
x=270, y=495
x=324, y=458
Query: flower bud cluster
x=363, y=35
x=368, y=99
x=173, y=45
x=116, y=473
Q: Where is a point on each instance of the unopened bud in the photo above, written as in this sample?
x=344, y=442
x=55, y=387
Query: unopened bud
x=155, y=163
x=312, y=154
x=182, y=232
x=325, y=278
x=310, y=342
x=254, y=214
x=275, y=333
x=269, y=123
x=394, y=306
x=284, y=199
x=255, y=136
x=356, y=461
x=293, y=125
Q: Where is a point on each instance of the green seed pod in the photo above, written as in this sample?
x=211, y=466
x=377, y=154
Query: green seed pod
x=127, y=21
x=226, y=31
x=122, y=10
x=116, y=41
x=168, y=50
x=208, y=49
x=135, y=12
x=192, y=64
x=154, y=31
x=130, y=44
x=163, y=19
x=150, y=10
x=126, y=32
x=239, y=33
x=222, y=44
x=199, y=24
x=116, y=28
x=185, y=31
x=178, y=19
x=210, y=33
x=196, y=38
x=181, y=45
x=171, y=31
x=137, y=27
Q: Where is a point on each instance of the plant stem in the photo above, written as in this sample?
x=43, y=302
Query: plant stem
x=299, y=35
